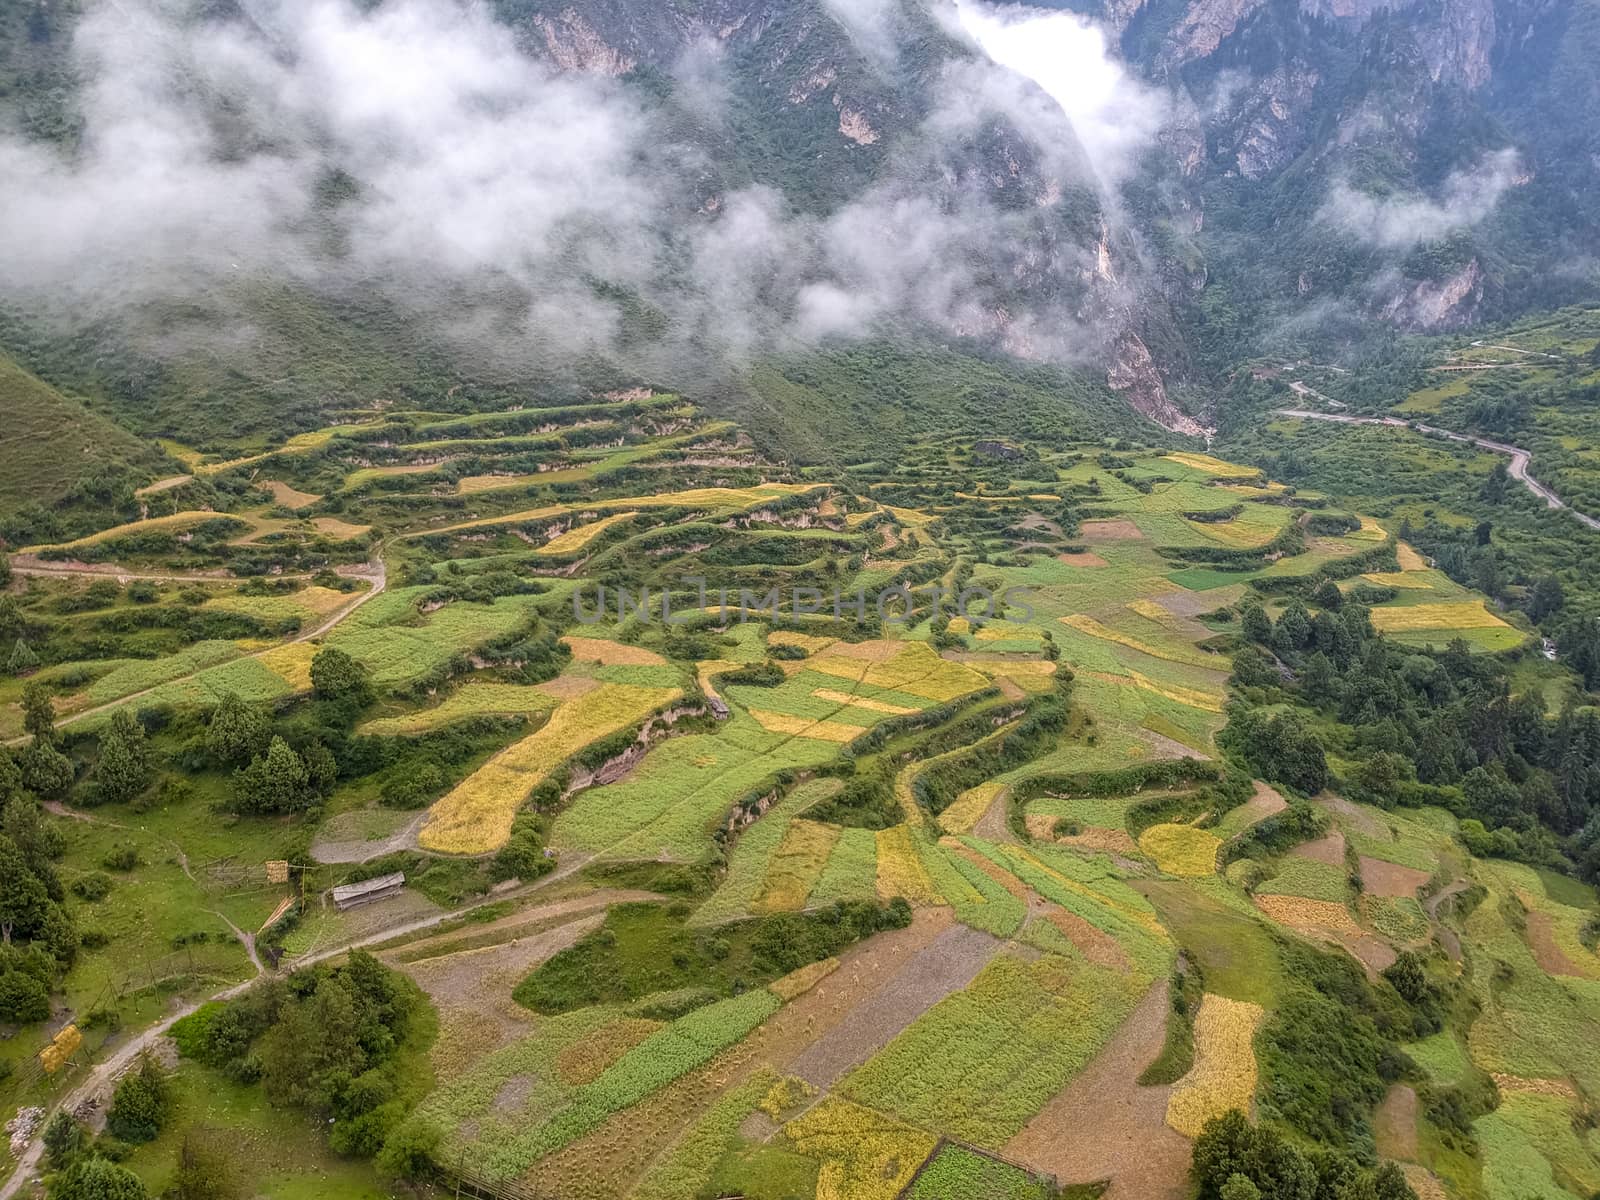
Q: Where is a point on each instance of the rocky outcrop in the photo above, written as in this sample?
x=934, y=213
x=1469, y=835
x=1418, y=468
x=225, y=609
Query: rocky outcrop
x=1205, y=23
x=574, y=45
x=1459, y=43
x=1133, y=373
x=854, y=125
x=1433, y=304
x=1271, y=122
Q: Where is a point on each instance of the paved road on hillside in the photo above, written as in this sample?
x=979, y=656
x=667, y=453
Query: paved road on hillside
x=1519, y=457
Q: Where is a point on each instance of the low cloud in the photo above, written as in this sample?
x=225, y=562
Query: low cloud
x=1399, y=222
x=1114, y=115
x=411, y=148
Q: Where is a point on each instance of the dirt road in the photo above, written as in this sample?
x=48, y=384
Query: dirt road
x=1519, y=457
x=103, y=1075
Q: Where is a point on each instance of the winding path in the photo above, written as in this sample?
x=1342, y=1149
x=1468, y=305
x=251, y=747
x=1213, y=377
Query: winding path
x=1520, y=458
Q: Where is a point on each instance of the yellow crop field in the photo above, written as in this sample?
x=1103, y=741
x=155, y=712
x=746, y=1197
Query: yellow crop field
x=1181, y=849
x=864, y=1154
x=910, y=516
x=1030, y=675
x=1180, y=654
x=709, y=497
x=1193, y=697
x=900, y=869
x=708, y=667
x=822, y=731
x=472, y=485
x=1151, y=610
x=802, y=980
x=475, y=817
x=810, y=643
x=576, y=539
x=1313, y=918
x=339, y=531
x=1463, y=614
x=291, y=663
x=1006, y=631
x=795, y=867
x=861, y=702
x=612, y=654
x=1211, y=466
x=1224, y=1073
x=910, y=667
x=476, y=698
x=970, y=806
x=1370, y=531
x=1412, y=580
x=1410, y=560
x=180, y=520
x=1237, y=535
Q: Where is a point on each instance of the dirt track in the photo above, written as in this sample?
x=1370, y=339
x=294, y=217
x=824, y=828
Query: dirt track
x=1105, y=1126
x=101, y=1076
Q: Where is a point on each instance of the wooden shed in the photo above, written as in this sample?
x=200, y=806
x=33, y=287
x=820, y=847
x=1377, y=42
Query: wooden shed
x=352, y=895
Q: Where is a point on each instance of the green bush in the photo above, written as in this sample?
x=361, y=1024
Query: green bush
x=140, y=1105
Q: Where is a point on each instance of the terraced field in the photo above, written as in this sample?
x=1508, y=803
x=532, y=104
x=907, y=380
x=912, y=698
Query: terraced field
x=797, y=895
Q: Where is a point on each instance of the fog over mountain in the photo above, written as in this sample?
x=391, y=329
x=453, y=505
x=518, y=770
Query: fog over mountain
x=681, y=186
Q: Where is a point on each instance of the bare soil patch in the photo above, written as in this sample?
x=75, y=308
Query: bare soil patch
x=330, y=847
x=472, y=991
x=1329, y=849
x=1111, y=531
x=1424, y=1182
x=1265, y=802
x=1535, y=1087
x=1542, y=941
x=1374, y=953
x=287, y=496
x=1082, y=558
x=1356, y=816
x=1103, y=1125
x=1097, y=946
x=993, y=826
x=947, y=965
x=1004, y=878
x=1163, y=747
x=513, y=1094
x=1379, y=878
x=1395, y=1124
x=568, y=687
x=608, y=1162
x=1009, y=689
x=1092, y=837
x=1184, y=603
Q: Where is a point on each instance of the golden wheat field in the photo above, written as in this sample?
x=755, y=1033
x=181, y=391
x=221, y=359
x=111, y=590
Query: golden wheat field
x=1224, y=1073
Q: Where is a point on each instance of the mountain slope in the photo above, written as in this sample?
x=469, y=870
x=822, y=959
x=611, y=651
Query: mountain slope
x=49, y=442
